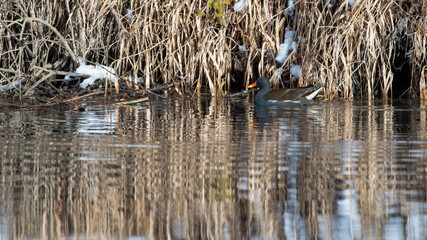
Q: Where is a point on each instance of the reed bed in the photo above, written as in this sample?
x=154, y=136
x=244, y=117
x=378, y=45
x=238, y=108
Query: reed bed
x=354, y=51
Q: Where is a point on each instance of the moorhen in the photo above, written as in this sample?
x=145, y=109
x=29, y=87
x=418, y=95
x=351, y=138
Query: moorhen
x=299, y=95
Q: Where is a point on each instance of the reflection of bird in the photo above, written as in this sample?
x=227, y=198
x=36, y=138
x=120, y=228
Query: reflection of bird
x=299, y=95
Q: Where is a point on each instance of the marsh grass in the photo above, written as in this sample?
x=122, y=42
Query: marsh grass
x=354, y=51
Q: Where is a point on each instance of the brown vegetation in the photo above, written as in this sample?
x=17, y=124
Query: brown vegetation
x=366, y=50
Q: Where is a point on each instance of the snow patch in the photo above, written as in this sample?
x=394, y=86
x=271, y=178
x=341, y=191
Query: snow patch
x=95, y=72
x=287, y=46
x=351, y=2
x=242, y=48
x=330, y=5
x=291, y=9
x=129, y=14
x=239, y=6
x=295, y=71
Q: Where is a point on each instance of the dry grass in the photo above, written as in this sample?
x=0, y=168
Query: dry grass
x=352, y=50
x=355, y=48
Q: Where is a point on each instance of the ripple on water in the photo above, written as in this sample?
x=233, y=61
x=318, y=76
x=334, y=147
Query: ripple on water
x=180, y=168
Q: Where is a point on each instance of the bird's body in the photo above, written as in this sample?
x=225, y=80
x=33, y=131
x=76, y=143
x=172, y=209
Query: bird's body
x=266, y=94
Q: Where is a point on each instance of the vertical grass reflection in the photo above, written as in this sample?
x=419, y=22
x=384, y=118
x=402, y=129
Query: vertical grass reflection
x=215, y=169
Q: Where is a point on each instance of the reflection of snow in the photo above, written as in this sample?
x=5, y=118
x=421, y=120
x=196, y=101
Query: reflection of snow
x=95, y=122
x=347, y=221
x=416, y=221
x=97, y=136
x=394, y=229
x=294, y=225
x=3, y=222
x=94, y=127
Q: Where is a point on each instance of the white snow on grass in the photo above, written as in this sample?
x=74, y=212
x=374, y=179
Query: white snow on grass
x=242, y=48
x=287, y=46
x=239, y=6
x=291, y=8
x=295, y=71
x=129, y=14
x=95, y=73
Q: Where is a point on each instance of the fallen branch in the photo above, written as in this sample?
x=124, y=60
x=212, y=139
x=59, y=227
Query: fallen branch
x=4, y=88
x=63, y=73
x=45, y=77
x=162, y=87
x=80, y=97
x=131, y=102
x=9, y=70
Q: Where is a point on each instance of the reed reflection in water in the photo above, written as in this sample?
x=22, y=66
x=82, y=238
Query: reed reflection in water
x=215, y=169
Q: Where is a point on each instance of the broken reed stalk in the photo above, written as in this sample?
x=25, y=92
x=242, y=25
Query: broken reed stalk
x=351, y=50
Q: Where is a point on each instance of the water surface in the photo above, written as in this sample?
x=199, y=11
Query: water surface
x=215, y=169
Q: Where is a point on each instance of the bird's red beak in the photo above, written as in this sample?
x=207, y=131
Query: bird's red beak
x=252, y=85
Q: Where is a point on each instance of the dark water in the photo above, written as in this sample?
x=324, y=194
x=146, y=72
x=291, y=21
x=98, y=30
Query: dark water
x=215, y=169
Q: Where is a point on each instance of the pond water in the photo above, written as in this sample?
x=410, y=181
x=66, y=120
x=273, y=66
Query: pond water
x=215, y=169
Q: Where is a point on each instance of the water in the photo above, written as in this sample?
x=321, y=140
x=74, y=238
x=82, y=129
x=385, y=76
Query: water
x=215, y=169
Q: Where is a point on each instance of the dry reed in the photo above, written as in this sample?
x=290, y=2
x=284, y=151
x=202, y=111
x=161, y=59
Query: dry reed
x=352, y=50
